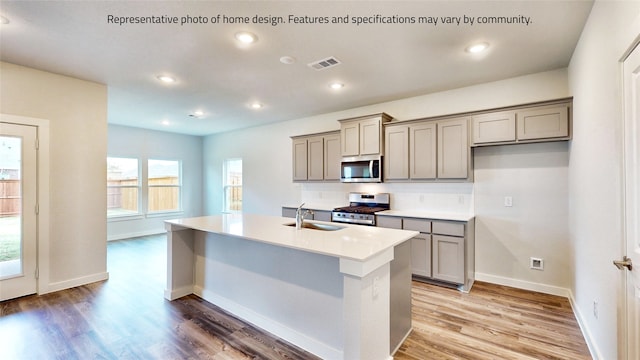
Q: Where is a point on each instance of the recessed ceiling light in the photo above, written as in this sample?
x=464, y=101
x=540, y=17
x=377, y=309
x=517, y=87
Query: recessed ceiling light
x=336, y=85
x=166, y=79
x=4, y=20
x=165, y=122
x=287, y=60
x=256, y=105
x=476, y=48
x=246, y=37
x=198, y=113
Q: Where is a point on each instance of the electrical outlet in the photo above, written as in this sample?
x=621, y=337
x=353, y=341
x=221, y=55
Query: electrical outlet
x=508, y=201
x=421, y=198
x=595, y=309
x=536, y=263
x=461, y=199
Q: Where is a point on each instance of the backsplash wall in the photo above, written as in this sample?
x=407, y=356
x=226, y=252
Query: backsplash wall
x=440, y=197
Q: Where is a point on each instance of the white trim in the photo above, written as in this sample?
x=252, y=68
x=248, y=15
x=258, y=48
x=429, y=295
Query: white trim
x=68, y=284
x=136, y=234
x=525, y=285
x=44, y=203
x=586, y=334
x=291, y=335
x=178, y=293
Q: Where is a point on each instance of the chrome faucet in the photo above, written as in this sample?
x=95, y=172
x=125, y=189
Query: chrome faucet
x=300, y=216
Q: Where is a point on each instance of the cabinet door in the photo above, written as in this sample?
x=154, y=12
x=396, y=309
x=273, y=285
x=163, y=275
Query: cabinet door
x=543, y=123
x=315, y=153
x=421, y=255
x=299, y=159
x=448, y=258
x=396, y=159
x=332, y=157
x=322, y=215
x=422, y=151
x=350, y=138
x=453, y=149
x=370, y=132
x=494, y=127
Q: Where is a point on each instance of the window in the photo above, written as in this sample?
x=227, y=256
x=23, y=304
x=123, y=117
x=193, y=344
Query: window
x=164, y=185
x=232, y=185
x=123, y=186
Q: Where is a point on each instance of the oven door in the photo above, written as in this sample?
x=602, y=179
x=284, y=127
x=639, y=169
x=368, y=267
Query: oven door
x=361, y=169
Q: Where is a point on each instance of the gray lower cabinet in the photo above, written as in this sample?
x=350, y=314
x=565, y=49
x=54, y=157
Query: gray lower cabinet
x=443, y=252
x=320, y=215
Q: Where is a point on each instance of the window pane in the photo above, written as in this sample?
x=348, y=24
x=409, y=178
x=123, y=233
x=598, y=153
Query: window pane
x=163, y=198
x=122, y=186
x=164, y=185
x=162, y=172
x=232, y=185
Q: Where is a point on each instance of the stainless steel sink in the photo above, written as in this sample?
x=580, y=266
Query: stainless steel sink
x=316, y=226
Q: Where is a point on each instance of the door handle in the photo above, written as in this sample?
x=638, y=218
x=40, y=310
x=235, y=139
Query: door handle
x=624, y=263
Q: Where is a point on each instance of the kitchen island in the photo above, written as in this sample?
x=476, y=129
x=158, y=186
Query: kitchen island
x=327, y=292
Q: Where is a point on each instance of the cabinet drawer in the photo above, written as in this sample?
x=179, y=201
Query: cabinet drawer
x=424, y=226
x=448, y=228
x=288, y=212
x=321, y=215
x=390, y=222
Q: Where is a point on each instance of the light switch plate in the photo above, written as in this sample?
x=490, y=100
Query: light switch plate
x=508, y=201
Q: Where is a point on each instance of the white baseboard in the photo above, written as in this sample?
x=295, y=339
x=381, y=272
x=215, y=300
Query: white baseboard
x=178, y=293
x=301, y=340
x=522, y=284
x=68, y=284
x=588, y=337
x=135, y=234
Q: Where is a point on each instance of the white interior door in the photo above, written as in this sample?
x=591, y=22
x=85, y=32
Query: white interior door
x=18, y=218
x=632, y=201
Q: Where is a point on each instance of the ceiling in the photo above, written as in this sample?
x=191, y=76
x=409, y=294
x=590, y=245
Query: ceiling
x=219, y=76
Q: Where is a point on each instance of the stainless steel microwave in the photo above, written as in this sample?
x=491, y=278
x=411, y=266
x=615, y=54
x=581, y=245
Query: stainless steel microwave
x=361, y=169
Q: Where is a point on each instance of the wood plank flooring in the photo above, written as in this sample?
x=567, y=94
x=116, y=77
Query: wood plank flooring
x=127, y=317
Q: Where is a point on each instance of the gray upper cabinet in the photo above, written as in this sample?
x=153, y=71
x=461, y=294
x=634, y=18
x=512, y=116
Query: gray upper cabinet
x=422, y=151
x=315, y=153
x=363, y=135
x=396, y=160
x=316, y=157
x=427, y=150
x=332, y=156
x=548, y=121
x=494, y=127
x=453, y=149
x=543, y=123
x=299, y=159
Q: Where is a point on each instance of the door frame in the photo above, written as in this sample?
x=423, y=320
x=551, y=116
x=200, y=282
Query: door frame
x=42, y=196
x=623, y=334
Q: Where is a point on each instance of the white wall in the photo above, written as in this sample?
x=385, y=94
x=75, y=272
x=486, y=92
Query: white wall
x=535, y=176
x=148, y=144
x=595, y=167
x=266, y=152
x=77, y=114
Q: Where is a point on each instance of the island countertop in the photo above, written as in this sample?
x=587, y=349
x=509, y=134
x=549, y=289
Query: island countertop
x=355, y=242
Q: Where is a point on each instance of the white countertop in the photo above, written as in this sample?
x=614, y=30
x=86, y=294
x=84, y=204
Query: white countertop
x=356, y=242
x=435, y=215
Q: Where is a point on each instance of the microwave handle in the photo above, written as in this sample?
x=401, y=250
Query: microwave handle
x=371, y=168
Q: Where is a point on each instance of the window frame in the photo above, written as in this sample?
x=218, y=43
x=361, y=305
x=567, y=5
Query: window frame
x=139, y=211
x=226, y=187
x=179, y=209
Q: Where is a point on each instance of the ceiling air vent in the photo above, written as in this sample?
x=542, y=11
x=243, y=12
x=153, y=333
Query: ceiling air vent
x=324, y=63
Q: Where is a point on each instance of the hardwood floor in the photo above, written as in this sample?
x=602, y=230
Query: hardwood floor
x=127, y=317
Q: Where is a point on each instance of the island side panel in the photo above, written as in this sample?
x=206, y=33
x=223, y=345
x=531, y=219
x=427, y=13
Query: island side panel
x=367, y=320
x=180, y=260
x=293, y=294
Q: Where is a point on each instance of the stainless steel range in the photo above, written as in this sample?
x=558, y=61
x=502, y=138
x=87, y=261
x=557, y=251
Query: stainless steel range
x=362, y=208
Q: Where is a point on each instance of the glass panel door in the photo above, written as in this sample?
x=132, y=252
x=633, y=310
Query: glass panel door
x=18, y=210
